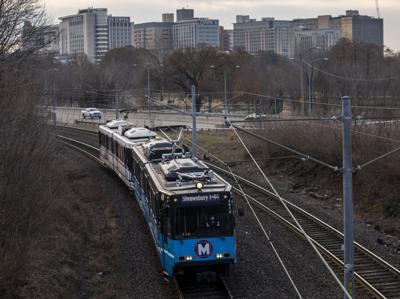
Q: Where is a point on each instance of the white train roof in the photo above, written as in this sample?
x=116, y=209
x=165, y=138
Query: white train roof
x=139, y=133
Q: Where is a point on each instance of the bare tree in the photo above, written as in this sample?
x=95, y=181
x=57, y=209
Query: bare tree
x=22, y=25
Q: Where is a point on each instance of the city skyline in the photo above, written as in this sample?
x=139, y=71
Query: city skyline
x=226, y=11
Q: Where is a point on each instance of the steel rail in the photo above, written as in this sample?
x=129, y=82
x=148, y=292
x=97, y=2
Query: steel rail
x=77, y=129
x=79, y=145
x=192, y=289
x=369, y=286
x=327, y=252
x=220, y=284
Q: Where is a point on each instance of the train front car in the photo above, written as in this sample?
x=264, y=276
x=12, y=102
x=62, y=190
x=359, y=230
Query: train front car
x=197, y=219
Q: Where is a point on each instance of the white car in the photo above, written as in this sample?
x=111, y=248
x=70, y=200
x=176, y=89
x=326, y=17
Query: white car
x=255, y=116
x=91, y=113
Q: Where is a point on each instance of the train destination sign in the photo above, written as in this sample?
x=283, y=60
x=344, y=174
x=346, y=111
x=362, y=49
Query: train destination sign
x=203, y=198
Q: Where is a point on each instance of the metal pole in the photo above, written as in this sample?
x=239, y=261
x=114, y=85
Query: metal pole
x=225, y=101
x=116, y=105
x=148, y=90
x=194, y=136
x=54, y=106
x=348, y=198
x=302, y=86
x=309, y=90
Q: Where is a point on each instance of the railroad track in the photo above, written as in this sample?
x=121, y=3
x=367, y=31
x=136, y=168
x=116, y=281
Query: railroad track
x=186, y=288
x=190, y=288
x=374, y=276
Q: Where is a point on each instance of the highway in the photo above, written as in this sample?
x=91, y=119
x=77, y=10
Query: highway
x=68, y=115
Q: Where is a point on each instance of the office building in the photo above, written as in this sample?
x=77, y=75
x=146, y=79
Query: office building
x=92, y=33
x=225, y=39
x=119, y=32
x=323, y=39
x=289, y=38
x=265, y=35
x=196, y=32
x=364, y=29
x=184, y=14
x=168, y=17
x=154, y=36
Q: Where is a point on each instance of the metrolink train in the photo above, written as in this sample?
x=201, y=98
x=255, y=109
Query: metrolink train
x=189, y=208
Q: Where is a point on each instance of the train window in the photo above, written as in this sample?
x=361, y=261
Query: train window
x=165, y=222
x=203, y=221
x=129, y=159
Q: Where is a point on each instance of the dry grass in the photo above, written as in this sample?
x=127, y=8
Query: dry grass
x=376, y=188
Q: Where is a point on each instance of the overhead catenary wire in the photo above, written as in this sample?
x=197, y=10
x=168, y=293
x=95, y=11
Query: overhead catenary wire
x=306, y=236
x=256, y=217
x=349, y=78
x=305, y=156
x=315, y=103
x=362, y=166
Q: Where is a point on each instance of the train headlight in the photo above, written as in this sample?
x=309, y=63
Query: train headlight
x=199, y=185
x=220, y=255
x=175, y=200
x=186, y=258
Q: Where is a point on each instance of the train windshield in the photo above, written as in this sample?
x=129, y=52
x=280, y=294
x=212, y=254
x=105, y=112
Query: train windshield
x=201, y=221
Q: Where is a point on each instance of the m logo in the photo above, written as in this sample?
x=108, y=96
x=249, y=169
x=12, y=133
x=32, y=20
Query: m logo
x=203, y=249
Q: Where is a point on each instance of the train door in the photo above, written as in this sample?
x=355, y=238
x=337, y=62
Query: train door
x=163, y=217
x=129, y=164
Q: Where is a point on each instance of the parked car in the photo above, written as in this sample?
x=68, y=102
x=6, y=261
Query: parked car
x=91, y=113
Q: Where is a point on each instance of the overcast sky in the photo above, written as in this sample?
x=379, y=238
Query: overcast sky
x=226, y=10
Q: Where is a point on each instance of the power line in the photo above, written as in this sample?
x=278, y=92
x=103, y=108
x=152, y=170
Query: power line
x=306, y=236
x=304, y=156
x=244, y=195
x=349, y=78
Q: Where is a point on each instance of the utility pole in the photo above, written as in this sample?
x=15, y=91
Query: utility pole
x=302, y=86
x=148, y=91
x=54, y=106
x=116, y=105
x=194, y=112
x=348, y=199
x=309, y=91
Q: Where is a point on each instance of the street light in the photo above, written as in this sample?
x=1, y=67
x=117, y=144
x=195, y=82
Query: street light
x=147, y=66
x=310, y=97
x=225, y=92
x=301, y=56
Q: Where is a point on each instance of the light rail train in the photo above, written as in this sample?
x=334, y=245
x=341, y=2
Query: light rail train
x=188, y=208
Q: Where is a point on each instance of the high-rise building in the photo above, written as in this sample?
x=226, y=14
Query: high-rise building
x=364, y=29
x=323, y=39
x=119, y=32
x=196, y=32
x=289, y=38
x=154, y=36
x=184, y=14
x=265, y=35
x=225, y=39
x=168, y=17
x=87, y=33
